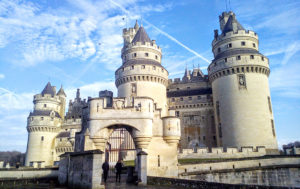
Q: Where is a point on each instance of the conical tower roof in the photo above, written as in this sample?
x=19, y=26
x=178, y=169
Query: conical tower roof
x=136, y=26
x=61, y=92
x=141, y=36
x=48, y=89
x=232, y=25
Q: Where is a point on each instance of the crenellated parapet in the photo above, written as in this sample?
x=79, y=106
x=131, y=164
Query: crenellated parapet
x=220, y=152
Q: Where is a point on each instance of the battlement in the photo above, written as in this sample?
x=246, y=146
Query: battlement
x=151, y=45
x=291, y=150
x=222, y=152
x=230, y=34
x=180, y=80
x=137, y=104
x=72, y=121
x=43, y=120
x=48, y=97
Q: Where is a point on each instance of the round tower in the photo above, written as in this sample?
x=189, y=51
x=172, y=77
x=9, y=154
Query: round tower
x=141, y=73
x=43, y=125
x=239, y=77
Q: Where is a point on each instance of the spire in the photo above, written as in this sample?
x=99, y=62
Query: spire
x=141, y=36
x=78, y=94
x=187, y=74
x=136, y=26
x=61, y=92
x=232, y=24
x=48, y=90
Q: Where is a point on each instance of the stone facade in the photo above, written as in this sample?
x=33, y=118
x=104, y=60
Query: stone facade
x=230, y=107
x=191, y=97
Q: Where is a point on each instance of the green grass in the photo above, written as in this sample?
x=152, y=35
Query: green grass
x=129, y=163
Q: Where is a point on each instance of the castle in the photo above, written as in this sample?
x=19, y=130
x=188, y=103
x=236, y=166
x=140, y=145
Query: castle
x=229, y=107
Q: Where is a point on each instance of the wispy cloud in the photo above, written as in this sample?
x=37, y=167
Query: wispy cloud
x=285, y=80
x=46, y=34
x=162, y=32
x=2, y=76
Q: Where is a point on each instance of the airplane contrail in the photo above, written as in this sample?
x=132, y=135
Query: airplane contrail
x=164, y=33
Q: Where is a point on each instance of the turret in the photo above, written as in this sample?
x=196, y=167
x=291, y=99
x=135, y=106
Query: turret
x=43, y=124
x=239, y=77
x=62, y=95
x=141, y=73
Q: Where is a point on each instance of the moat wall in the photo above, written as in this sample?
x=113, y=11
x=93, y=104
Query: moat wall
x=198, y=184
x=28, y=173
x=269, y=171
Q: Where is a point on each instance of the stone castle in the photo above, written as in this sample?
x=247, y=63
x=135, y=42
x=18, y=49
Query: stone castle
x=229, y=108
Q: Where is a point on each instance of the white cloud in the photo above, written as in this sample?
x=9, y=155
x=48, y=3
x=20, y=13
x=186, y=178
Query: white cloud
x=13, y=101
x=285, y=80
x=43, y=34
x=2, y=76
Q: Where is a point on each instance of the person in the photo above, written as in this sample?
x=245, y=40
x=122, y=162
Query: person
x=118, y=168
x=105, y=168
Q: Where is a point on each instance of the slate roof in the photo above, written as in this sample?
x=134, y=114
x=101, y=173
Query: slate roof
x=232, y=25
x=141, y=36
x=43, y=113
x=61, y=92
x=63, y=134
x=48, y=89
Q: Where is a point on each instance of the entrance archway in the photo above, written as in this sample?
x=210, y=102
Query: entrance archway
x=120, y=146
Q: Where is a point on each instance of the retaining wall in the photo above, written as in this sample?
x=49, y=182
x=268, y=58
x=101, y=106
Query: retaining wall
x=222, y=152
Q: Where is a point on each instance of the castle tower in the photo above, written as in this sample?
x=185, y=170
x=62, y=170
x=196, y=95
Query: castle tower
x=62, y=96
x=141, y=73
x=43, y=125
x=239, y=77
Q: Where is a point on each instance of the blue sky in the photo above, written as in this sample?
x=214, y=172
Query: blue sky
x=77, y=43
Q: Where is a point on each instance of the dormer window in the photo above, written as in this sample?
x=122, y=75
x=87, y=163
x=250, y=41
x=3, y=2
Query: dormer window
x=251, y=56
x=132, y=68
x=219, y=49
x=156, y=57
x=134, y=54
x=225, y=59
x=243, y=43
x=229, y=45
x=238, y=57
x=254, y=45
x=143, y=66
x=146, y=54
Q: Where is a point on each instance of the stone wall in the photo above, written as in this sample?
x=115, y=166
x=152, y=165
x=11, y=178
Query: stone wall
x=204, y=153
x=240, y=163
x=287, y=175
x=185, y=183
x=28, y=173
x=81, y=170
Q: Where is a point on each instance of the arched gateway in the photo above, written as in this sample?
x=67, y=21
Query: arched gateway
x=141, y=105
x=157, y=136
